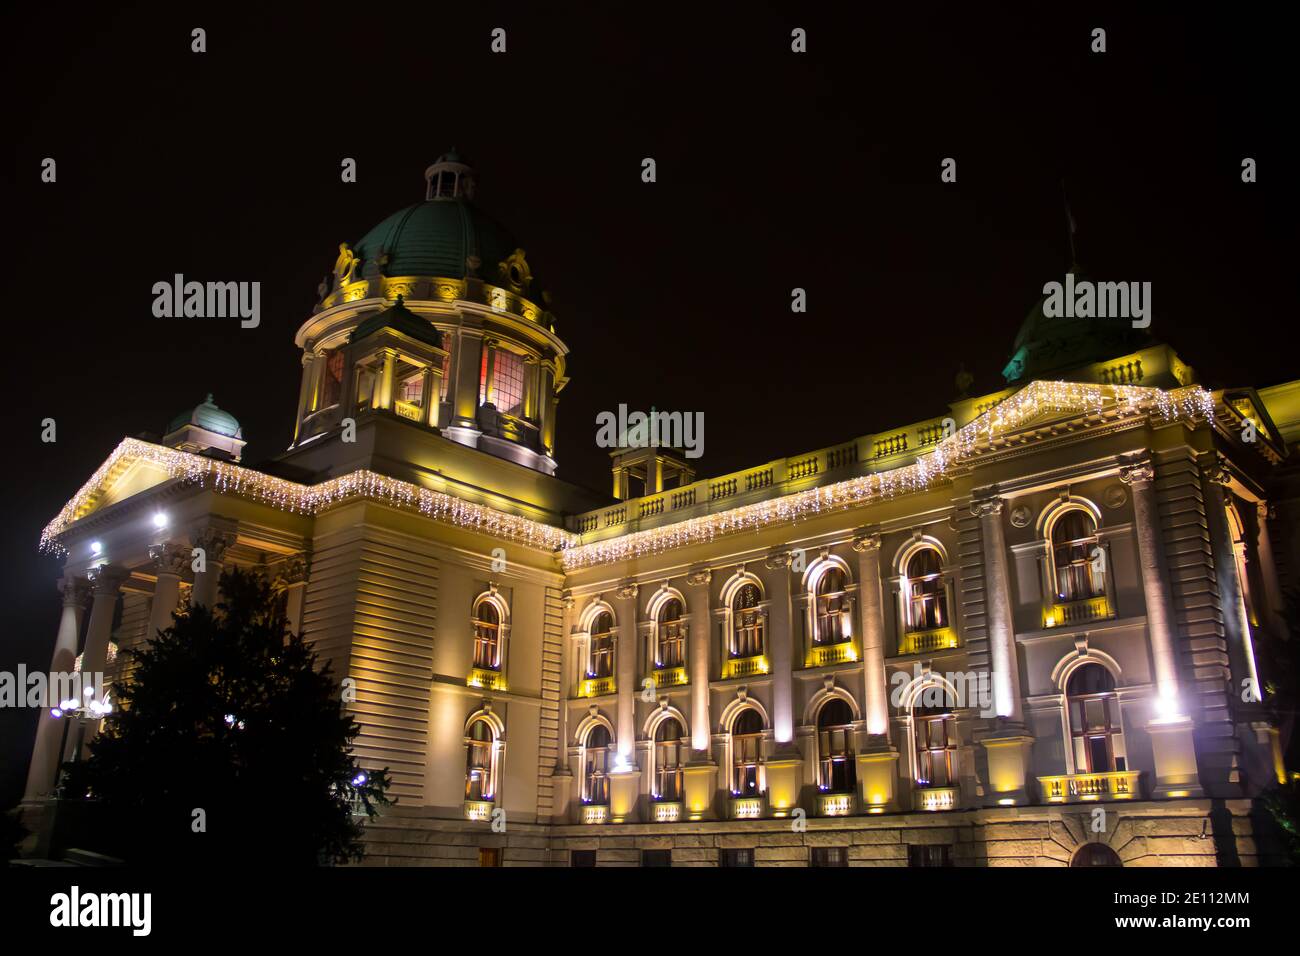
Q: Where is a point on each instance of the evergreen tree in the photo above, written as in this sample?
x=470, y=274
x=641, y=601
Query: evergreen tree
x=229, y=744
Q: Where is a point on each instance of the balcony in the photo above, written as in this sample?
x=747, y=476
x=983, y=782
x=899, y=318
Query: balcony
x=669, y=676
x=594, y=813
x=596, y=687
x=922, y=642
x=835, y=804
x=745, y=666
x=823, y=655
x=486, y=679
x=478, y=810
x=745, y=808
x=667, y=811
x=1077, y=612
x=1086, y=787
x=935, y=799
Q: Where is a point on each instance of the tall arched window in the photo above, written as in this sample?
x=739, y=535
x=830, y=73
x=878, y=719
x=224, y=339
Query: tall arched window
x=934, y=729
x=670, y=635
x=601, y=663
x=487, y=636
x=1096, y=736
x=832, y=622
x=1077, y=576
x=1096, y=854
x=479, y=782
x=595, y=766
x=927, y=600
x=837, y=768
x=669, y=759
x=746, y=749
x=747, y=622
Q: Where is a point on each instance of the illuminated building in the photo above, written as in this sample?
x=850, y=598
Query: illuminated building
x=949, y=642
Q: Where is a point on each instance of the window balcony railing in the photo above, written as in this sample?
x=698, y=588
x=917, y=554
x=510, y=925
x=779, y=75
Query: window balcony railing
x=745, y=666
x=933, y=639
x=478, y=810
x=823, y=655
x=667, y=811
x=597, y=687
x=1083, y=787
x=836, y=804
x=1077, y=612
x=745, y=808
x=669, y=676
x=594, y=813
x=485, y=678
x=408, y=410
x=935, y=799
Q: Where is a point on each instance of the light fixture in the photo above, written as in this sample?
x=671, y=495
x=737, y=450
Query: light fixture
x=160, y=519
x=96, y=547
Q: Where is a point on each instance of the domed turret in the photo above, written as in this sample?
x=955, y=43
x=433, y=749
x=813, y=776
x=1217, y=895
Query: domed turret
x=206, y=430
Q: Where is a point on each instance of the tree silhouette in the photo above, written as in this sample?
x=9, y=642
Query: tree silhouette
x=229, y=744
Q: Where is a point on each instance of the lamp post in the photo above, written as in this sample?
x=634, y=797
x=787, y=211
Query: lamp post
x=82, y=713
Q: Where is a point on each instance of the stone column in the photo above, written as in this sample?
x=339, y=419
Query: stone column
x=1237, y=622
x=1001, y=630
x=105, y=583
x=293, y=578
x=780, y=648
x=1172, y=746
x=464, y=398
x=546, y=407
x=625, y=669
x=429, y=383
x=699, y=658
x=562, y=776
x=490, y=373
x=305, y=391
x=384, y=398
x=214, y=542
x=877, y=758
x=49, y=729
x=171, y=560
x=1273, y=598
x=1140, y=477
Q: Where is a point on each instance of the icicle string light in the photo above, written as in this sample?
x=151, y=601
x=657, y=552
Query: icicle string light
x=1029, y=403
x=1037, y=398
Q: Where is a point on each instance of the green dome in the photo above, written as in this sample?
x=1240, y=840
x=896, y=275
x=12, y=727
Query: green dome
x=436, y=237
x=207, y=415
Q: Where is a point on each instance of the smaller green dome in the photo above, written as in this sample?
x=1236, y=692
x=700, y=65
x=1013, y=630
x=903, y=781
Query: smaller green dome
x=400, y=318
x=207, y=415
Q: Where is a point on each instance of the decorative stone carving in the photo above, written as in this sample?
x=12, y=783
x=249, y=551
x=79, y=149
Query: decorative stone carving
x=984, y=507
x=700, y=577
x=345, y=265
x=628, y=591
x=567, y=600
x=1021, y=516
x=214, y=543
x=866, y=542
x=170, y=558
x=777, y=560
x=1114, y=496
x=1138, y=472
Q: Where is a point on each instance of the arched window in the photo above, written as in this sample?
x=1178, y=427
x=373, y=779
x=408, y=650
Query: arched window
x=832, y=623
x=669, y=759
x=927, y=601
x=670, y=635
x=935, y=731
x=746, y=622
x=1095, y=854
x=479, y=782
x=595, y=766
x=1096, y=736
x=1074, y=539
x=837, y=770
x=487, y=636
x=746, y=749
x=601, y=663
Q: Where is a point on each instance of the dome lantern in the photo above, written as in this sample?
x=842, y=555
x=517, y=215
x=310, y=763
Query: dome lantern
x=206, y=430
x=450, y=177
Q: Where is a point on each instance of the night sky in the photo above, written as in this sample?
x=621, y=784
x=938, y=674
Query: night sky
x=775, y=170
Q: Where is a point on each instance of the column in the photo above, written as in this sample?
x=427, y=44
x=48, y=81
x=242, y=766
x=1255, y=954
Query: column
x=105, y=583
x=1170, y=729
x=464, y=398
x=1007, y=746
x=699, y=658
x=171, y=560
x=293, y=577
x=490, y=372
x=780, y=647
x=619, y=492
x=1236, y=620
x=546, y=402
x=625, y=669
x=655, y=475
x=1273, y=598
x=305, y=391
x=1140, y=478
x=49, y=730
x=871, y=627
x=429, y=385
x=562, y=776
x=385, y=397
x=997, y=596
x=214, y=542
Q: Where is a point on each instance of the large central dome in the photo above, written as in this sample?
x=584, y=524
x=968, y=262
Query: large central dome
x=447, y=235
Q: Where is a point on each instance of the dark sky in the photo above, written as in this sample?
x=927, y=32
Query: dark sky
x=775, y=170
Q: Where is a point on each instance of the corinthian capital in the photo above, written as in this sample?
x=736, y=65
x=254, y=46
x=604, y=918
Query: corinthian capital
x=214, y=542
x=105, y=579
x=74, y=590
x=170, y=558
